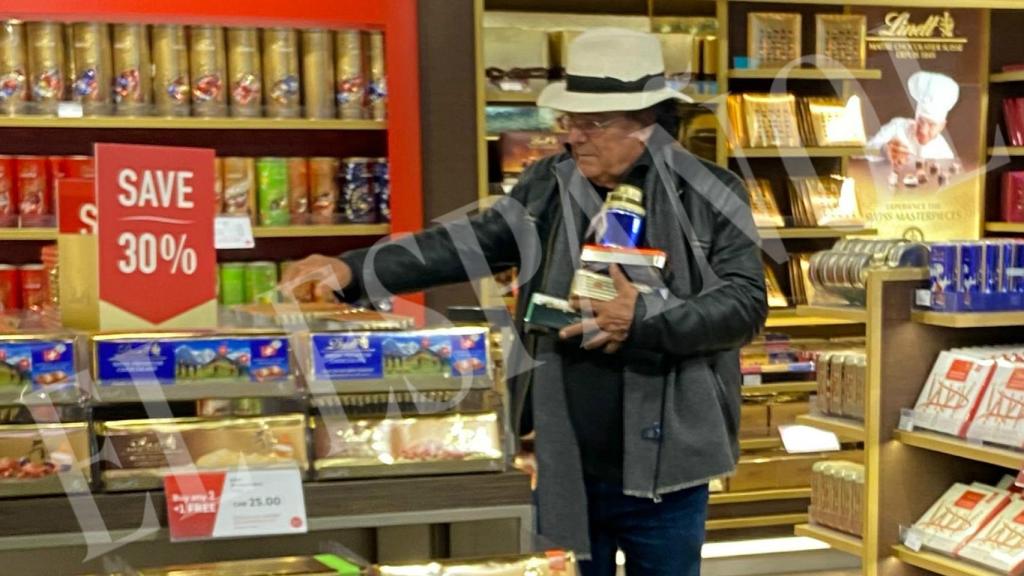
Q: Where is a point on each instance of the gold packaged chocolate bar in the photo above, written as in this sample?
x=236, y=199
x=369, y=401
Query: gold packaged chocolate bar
x=832, y=122
x=763, y=204
x=138, y=453
x=773, y=38
x=454, y=443
x=771, y=120
x=40, y=459
x=841, y=40
x=553, y=563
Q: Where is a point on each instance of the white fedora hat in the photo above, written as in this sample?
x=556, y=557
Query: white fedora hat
x=611, y=70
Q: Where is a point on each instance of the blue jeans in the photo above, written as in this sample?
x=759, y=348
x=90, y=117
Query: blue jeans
x=658, y=539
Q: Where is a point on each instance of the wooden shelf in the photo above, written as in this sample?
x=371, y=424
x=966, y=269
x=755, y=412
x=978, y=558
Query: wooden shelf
x=314, y=231
x=157, y=123
x=842, y=427
x=1010, y=4
x=27, y=234
x=770, y=443
x=530, y=98
x=800, y=152
x=1006, y=151
x=848, y=313
x=1004, y=457
x=834, y=538
x=1002, y=77
x=818, y=232
x=760, y=496
x=969, y=319
x=939, y=564
x=789, y=318
x=804, y=74
x=755, y=522
x=1005, y=227
x=37, y=234
x=799, y=387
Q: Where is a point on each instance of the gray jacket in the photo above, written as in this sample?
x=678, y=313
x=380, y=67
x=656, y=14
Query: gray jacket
x=686, y=433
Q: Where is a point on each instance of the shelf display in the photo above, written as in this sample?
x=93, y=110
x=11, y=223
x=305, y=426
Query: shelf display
x=841, y=39
x=776, y=297
x=1013, y=116
x=27, y=287
x=203, y=70
x=38, y=364
x=140, y=452
x=778, y=470
x=842, y=383
x=837, y=496
x=976, y=276
x=999, y=544
x=315, y=315
x=760, y=120
x=553, y=563
x=842, y=271
x=773, y=38
x=520, y=149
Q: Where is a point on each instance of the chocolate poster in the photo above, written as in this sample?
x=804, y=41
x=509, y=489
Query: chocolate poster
x=921, y=176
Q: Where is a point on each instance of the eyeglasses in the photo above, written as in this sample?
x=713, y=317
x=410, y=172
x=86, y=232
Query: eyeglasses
x=583, y=124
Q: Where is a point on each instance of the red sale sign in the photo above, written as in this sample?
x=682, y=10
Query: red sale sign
x=76, y=206
x=235, y=504
x=157, y=261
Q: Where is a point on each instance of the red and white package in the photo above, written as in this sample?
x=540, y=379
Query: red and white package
x=952, y=392
x=1000, y=544
x=1000, y=415
x=960, y=514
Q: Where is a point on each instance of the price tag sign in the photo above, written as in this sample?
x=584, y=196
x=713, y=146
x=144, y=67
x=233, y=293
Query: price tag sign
x=800, y=439
x=923, y=298
x=76, y=206
x=235, y=504
x=912, y=540
x=233, y=233
x=906, y=420
x=751, y=379
x=157, y=262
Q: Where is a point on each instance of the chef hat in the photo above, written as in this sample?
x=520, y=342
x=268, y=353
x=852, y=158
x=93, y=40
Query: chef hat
x=936, y=94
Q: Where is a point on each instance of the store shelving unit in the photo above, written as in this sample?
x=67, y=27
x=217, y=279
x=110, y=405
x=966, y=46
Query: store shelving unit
x=847, y=313
x=760, y=496
x=803, y=152
x=785, y=318
x=1011, y=459
x=969, y=320
x=158, y=123
x=844, y=428
x=780, y=388
x=939, y=564
x=1006, y=77
x=1005, y=227
x=834, y=538
x=747, y=522
x=27, y=234
x=824, y=233
x=804, y=74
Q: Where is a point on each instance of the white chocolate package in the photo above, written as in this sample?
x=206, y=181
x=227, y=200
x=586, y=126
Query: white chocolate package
x=958, y=515
x=1000, y=415
x=952, y=392
x=1000, y=544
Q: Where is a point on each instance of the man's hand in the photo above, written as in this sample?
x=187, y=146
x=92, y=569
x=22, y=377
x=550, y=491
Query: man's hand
x=610, y=320
x=314, y=279
x=898, y=152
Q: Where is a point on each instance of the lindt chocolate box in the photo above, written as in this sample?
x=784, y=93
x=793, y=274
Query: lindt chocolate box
x=127, y=367
x=136, y=454
x=38, y=459
x=37, y=364
x=449, y=444
x=444, y=358
x=521, y=149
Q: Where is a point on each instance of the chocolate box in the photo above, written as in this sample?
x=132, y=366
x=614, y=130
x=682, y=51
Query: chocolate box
x=447, y=358
x=136, y=454
x=44, y=459
x=452, y=443
x=185, y=366
x=38, y=364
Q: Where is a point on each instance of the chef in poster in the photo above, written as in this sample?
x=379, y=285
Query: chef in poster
x=902, y=140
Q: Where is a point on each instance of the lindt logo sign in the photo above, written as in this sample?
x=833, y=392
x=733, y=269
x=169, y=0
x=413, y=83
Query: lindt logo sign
x=899, y=25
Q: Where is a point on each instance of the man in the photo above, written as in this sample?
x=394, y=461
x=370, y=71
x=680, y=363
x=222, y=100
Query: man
x=902, y=139
x=636, y=408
